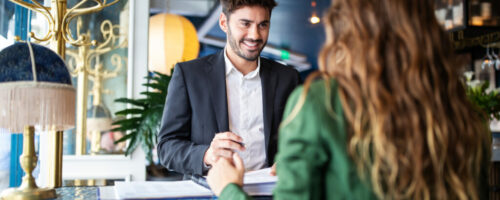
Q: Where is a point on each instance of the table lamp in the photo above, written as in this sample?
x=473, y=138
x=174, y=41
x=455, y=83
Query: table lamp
x=35, y=91
x=98, y=120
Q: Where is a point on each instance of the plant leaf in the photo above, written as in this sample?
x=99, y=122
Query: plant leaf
x=132, y=145
x=146, y=115
x=130, y=111
x=138, y=102
x=126, y=137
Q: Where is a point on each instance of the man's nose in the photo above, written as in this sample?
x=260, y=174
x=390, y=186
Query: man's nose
x=253, y=33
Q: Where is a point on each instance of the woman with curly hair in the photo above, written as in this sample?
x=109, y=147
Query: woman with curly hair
x=389, y=118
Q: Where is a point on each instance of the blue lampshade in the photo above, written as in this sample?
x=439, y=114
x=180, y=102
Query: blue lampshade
x=35, y=89
x=15, y=65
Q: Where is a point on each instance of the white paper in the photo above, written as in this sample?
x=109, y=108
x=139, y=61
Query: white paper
x=256, y=183
x=163, y=189
x=259, y=176
x=259, y=182
x=261, y=189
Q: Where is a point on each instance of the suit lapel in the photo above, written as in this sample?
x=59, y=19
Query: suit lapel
x=268, y=80
x=216, y=83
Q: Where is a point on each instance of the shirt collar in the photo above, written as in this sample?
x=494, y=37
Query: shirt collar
x=230, y=67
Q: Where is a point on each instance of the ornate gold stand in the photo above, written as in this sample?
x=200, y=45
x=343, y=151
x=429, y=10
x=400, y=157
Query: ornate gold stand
x=59, y=18
x=79, y=66
x=55, y=159
x=95, y=147
x=28, y=189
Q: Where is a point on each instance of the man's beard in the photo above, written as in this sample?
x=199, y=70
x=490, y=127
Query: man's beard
x=236, y=48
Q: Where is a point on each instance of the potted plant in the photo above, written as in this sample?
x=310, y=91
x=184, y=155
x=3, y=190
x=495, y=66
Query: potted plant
x=144, y=119
x=485, y=99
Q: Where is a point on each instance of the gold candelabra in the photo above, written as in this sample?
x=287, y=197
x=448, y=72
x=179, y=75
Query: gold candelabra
x=80, y=60
x=97, y=125
x=59, y=17
x=79, y=63
x=99, y=75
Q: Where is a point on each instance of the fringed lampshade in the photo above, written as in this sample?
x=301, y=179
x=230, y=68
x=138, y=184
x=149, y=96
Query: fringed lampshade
x=98, y=120
x=45, y=102
x=172, y=39
x=35, y=91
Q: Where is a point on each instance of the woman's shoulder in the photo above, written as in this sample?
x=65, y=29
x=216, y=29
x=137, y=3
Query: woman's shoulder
x=316, y=100
x=318, y=91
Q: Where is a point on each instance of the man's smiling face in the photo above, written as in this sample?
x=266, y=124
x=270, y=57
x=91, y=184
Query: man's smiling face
x=247, y=30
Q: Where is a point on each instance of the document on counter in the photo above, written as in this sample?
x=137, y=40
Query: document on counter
x=259, y=182
x=256, y=183
x=259, y=176
x=160, y=189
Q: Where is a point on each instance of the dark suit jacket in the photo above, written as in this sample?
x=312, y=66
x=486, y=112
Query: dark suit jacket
x=196, y=109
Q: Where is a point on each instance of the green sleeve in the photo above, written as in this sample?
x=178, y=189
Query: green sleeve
x=302, y=152
x=301, y=155
x=233, y=192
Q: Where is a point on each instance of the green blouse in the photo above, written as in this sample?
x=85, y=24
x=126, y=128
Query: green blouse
x=312, y=159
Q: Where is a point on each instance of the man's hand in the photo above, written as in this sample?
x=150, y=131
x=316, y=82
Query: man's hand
x=223, y=145
x=224, y=172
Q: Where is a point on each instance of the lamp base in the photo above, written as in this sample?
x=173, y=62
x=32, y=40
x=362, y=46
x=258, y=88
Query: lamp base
x=28, y=189
x=28, y=194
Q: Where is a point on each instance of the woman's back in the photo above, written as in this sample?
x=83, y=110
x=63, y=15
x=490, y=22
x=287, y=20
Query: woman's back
x=313, y=162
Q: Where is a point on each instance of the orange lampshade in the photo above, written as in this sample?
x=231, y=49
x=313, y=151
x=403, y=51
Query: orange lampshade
x=172, y=39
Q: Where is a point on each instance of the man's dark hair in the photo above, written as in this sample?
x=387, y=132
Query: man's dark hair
x=229, y=6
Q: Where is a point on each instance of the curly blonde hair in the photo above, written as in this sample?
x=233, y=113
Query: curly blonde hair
x=411, y=128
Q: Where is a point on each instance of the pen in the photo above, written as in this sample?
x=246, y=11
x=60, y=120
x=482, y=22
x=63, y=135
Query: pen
x=241, y=143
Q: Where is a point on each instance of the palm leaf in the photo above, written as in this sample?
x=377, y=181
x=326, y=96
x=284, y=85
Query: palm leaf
x=129, y=122
x=130, y=111
x=133, y=144
x=126, y=137
x=139, y=102
x=147, y=113
x=156, y=86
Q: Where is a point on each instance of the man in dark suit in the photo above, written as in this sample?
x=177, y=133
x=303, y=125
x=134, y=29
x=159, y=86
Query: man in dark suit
x=228, y=102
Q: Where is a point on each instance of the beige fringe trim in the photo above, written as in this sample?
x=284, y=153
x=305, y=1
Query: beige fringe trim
x=47, y=106
x=98, y=124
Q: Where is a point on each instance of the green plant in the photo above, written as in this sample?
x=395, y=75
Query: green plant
x=145, y=115
x=478, y=93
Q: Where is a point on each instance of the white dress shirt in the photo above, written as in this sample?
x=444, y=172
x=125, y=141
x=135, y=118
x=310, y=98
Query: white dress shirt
x=245, y=112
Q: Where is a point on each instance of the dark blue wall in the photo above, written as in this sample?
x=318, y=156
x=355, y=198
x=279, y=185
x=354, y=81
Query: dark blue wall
x=290, y=29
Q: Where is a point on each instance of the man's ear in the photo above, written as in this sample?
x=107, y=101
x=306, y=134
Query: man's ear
x=223, y=20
